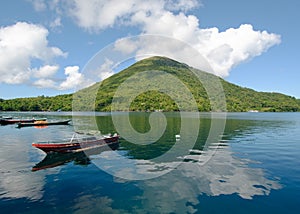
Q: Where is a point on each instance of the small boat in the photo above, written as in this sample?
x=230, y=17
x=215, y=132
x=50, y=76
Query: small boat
x=43, y=123
x=14, y=121
x=55, y=159
x=77, y=144
x=5, y=117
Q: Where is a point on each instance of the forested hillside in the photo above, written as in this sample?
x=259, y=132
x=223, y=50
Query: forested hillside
x=40, y=103
x=238, y=99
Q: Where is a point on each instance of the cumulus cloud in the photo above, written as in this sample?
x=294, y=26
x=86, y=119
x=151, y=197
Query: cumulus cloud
x=74, y=78
x=19, y=45
x=45, y=71
x=100, y=14
x=223, y=50
x=23, y=43
x=45, y=83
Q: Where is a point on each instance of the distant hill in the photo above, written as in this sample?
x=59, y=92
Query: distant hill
x=238, y=99
x=40, y=103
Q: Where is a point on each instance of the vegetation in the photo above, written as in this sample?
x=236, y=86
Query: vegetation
x=100, y=96
x=40, y=103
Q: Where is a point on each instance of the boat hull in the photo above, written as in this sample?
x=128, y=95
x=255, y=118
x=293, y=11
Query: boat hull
x=14, y=121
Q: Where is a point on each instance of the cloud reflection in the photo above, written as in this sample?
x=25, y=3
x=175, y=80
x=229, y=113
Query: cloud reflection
x=17, y=183
x=16, y=160
x=224, y=174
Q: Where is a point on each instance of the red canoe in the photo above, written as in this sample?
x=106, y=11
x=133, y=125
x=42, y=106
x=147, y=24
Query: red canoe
x=77, y=144
x=80, y=158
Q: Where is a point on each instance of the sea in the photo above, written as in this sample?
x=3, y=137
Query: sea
x=177, y=162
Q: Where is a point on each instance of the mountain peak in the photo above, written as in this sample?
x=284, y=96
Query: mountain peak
x=160, y=61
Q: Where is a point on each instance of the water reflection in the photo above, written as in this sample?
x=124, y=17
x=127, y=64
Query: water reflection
x=56, y=159
x=179, y=190
x=17, y=158
x=224, y=174
x=16, y=181
x=71, y=187
x=92, y=204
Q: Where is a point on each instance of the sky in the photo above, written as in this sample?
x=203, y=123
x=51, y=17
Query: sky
x=46, y=45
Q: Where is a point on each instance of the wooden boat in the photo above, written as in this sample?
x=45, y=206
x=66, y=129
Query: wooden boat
x=43, y=123
x=76, y=144
x=14, y=121
x=55, y=159
x=5, y=117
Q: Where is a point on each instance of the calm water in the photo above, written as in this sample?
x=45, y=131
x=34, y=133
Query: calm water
x=253, y=168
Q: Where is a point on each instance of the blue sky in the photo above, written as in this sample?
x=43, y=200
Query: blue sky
x=45, y=45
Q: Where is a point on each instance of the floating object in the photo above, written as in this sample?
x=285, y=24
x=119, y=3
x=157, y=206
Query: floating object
x=5, y=117
x=196, y=151
x=77, y=144
x=43, y=123
x=55, y=159
x=14, y=121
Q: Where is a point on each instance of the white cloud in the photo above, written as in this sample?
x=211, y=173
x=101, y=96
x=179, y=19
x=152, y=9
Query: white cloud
x=126, y=46
x=56, y=23
x=19, y=45
x=39, y=5
x=74, y=78
x=223, y=50
x=182, y=5
x=100, y=14
x=22, y=43
x=45, y=71
x=45, y=83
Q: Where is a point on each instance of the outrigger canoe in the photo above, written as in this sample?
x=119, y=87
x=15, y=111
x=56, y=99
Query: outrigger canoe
x=43, y=123
x=14, y=121
x=76, y=144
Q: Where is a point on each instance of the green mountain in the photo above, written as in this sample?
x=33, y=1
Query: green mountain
x=158, y=73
